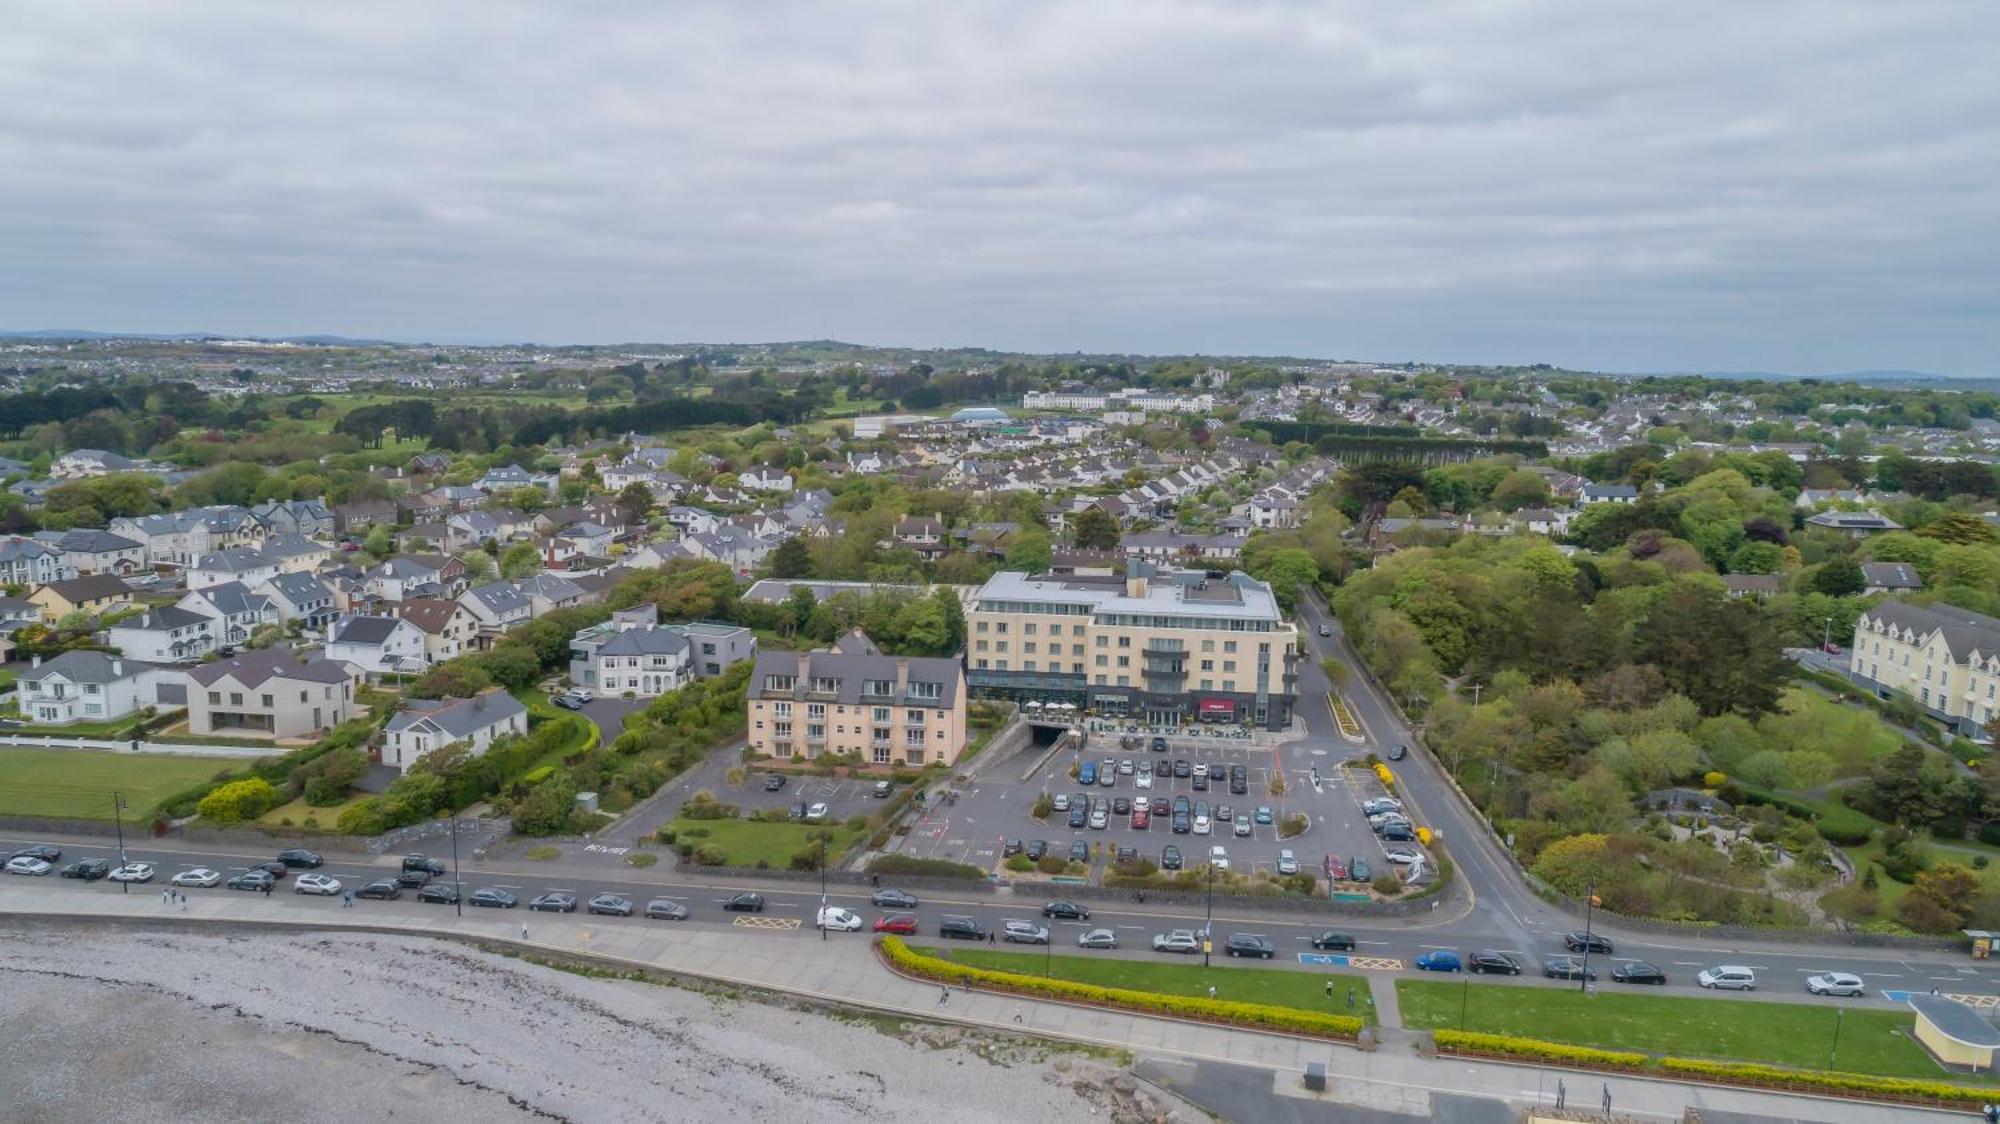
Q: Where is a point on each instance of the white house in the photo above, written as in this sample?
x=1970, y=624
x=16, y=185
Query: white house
x=300, y=597
x=236, y=609
x=165, y=635
x=271, y=692
x=423, y=725
x=99, y=552
x=1607, y=493
x=765, y=479
x=240, y=564
x=497, y=606
x=85, y=686
x=25, y=561
x=377, y=644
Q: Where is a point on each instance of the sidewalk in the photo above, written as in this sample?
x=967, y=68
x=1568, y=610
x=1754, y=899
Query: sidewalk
x=843, y=970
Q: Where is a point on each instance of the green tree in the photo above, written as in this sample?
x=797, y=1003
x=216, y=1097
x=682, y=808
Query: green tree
x=1030, y=552
x=791, y=559
x=1757, y=558
x=634, y=502
x=519, y=561
x=1094, y=529
x=479, y=567
x=238, y=801
x=1839, y=577
x=1288, y=570
x=1957, y=527
x=1576, y=864
x=1520, y=489
x=378, y=543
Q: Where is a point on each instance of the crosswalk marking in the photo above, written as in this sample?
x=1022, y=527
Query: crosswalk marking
x=1375, y=963
x=757, y=922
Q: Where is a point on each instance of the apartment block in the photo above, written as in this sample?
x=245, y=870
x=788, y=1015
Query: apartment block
x=853, y=699
x=1944, y=658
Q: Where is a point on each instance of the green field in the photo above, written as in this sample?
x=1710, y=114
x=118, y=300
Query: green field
x=1276, y=987
x=1800, y=1035
x=78, y=785
x=748, y=842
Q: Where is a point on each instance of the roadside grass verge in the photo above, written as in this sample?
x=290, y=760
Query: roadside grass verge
x=1275, y=987
x=749, y=842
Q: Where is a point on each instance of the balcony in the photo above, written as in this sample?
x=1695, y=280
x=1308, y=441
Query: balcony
x=1163, y=646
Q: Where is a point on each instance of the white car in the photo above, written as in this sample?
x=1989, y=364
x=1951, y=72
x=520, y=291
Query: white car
x=838, y=920
x=1218, y=857
x=1143, y=780
x=1727, y=977
x=1061, y=802
x=580, y=693
x=1024, y=932
x=27, y=864
x=1380, y=805
x=1288, y=863
x=1242, y=827
x=132, y=872
x=1201, y=825
x=316, y=884
x=1177, y=940
x=1836, y=983
x=1401, y=856
x=816, y=813
x=199, y=876
x=1125, y=767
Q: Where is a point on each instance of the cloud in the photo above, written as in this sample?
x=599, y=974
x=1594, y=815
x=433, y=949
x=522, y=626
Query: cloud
x=1614, y=184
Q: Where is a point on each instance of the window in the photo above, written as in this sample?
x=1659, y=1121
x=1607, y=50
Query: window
x=1208, y=665
x=1124, y=641
x=1229, y=665
x=1076, y=630
x=1028, y=629
x=1028, y=647
x=1102, y=661
x=215, y=698
x=1104, y=641
x=1208, y=645
x=781, y=729
x=265, y=702
x=980, y=627
x=1027, y=665
x=884, y=754
x=881, y=714
x=815, y=710
x=1208, y=684
x=781, y=710
x=1000, y=645
x=1124, y=681
x=1229, y=645
x=1124, y=661
x=235, y=698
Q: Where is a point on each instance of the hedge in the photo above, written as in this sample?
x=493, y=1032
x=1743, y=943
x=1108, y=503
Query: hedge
x=538, y=774
x=1724, y=1073
x=1259, y=1016
x=928, y=868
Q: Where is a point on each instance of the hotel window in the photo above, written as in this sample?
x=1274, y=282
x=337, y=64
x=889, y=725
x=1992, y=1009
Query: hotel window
x=1028, y=629
x=1208, y=665
x=1124, y=681
x=1124, y=661
x=1028, y=647
x=1208, y=645
x=981, y=646
x=1076, y=630
x=1229, y=665
x=981, y=627
x=1104, y=641
x=1027, y=665
x=1229, y=645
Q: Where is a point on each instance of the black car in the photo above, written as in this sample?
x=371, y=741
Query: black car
x=1163, y=768
x=1182, y=824
x=1128, y=855
x=1068, y=911
x=744, y=903
x=439, y=893
x=799, y=810
x=611, y=905
x=555, y=901
x=90, y=870
x=1567, y=968
x=383, y=888
x=1398, y=833
x=1576, y=940
x=1331, y=941
x=666, y=909
x=961, y=929
x=47, y=852
x=1488, y=962
x=1638, y=972
x=420, y=862
x=1170, y=857
x=1238, y=786
x=1159, y=745
x=1201, y=782
x=1012, y=848
x=255, y=881
x=1079, y=852
x=1250, y=944
x=299, y=856
x=1358, y=870
x=1079, y=813
x=413, y=879
x=1037, y=849
x=273, y=867
x=1182, y=768
x=895, y=899
x=1182, y=806
x=492, y=897
x=1120, y=806
x=774, y=782
x=1398, y=753
x=1216, y=772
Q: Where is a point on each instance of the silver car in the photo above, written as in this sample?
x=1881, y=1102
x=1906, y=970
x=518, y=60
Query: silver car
x=1836, y=983
x=199, y=876
x=1098, y=938
x=1024, y=932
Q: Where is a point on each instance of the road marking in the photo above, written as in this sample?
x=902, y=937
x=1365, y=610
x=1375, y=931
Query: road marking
x=758, y=922
x=1687, y=963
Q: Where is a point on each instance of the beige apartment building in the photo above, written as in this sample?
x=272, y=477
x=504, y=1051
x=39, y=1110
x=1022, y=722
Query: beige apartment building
x=1943, y=658
x=889, y=710
x=1165, y=647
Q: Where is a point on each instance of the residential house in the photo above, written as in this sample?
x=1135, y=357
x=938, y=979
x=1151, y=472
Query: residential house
x=448, y=626
x=549, y=592
x=765, y=478
x=423, y=725
x=1854, y=524
x=377, y=645
x=25, y=561
x=180, y=538
x=1606, y=493
x=80, y=463
x=692, y=520
x=1169, y=547
x=922, y=534
x=1890, y=577
x=250, y=567
x=300, y=597
x=1754, y=586
x=271, y=692
x=1944, y=658
x=357, y=517
x=1813, y=498
x=85, y=686
x=165, y=635
x=496, y=606
x=1552, y=522
x=99, y=552
x=428, y=464
x=96, y=594
x=632, y=653
x=296, y=554
x=852, y=698
x=417, y=575
x=236, y=609
x=306, y=518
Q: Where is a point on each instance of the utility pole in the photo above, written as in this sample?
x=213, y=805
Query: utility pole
x=1208, y=921
x=822, y=885
x=118, y=814
x=1838, y=1015
x=457, y=889
x=1589, y=904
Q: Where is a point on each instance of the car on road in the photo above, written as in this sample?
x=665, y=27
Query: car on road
x=1439, y=960
x=200, y=876
x=1143, y=780
x=492, y=897
x=1288, y=863
x=272, y=867
x=47, y=852
x=666, y=909
x=1836, y=983
x=1242, y=829
x=438, y=893
x=1326, y=630
x=961, y=928
x=90, y=870
x=1160, y=746
x=1097, y=938
x=133, y=872
x=904, y=924
x=609, y=905
x=746, y=902
x=1576, y=940
x=893, y=899
x=567, y=701
x=1402, y=856
x=774, y=782
x=1398, y=753
x=1024, y=932
x=837, y=920
x=323, y=884
x=1037, y=849
x=1492, y=962
x=1250, y=944
x=555, y=901
x=28, y=864
x=1637, y=972
x=254, y=881
x=1330, y=940
x=1567, y=968
x=300, y=857
x=1727, y=977
x=816, y=812
x=1358, y=870
x=1068, y=911
x=1336, y=868
x=1170, y=857
x=425, y=863
x=383, y=888
x=1177, y=940
x=1079, y=852
x=413, y=879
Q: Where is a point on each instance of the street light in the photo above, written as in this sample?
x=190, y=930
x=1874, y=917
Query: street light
x=1838, y=1015
x=1826, y=637
x=118, y=814
x=457, y=889
x=1589, y=904
x=822, y=885
x=1208, y=920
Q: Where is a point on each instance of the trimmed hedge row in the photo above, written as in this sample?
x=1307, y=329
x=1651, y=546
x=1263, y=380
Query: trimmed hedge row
x=1254, y=1015
x=1752, y=1074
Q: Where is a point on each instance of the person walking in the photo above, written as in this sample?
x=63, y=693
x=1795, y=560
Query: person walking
x=524, y=932
x=944, y=996
x=1211, y=991
x=165, y=896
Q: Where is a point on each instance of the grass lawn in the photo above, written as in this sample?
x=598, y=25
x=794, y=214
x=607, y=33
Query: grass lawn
x=297, y=811
x=746, y=842
x=1277, y=987
x=1789, y=1034
x=78, y=785
x=119, y=729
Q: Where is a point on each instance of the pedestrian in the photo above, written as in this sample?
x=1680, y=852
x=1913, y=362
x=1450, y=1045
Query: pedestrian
x=944, y=996
x=990, y=938
x=184, y=901
x=164, y=897
x=267, y=888
x=1350, y=999
x=1329, y=989
x=524, y=932
x=966, y=983
x=1211, y=991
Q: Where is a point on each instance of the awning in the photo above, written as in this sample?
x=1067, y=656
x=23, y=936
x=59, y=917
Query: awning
x=1217, y=706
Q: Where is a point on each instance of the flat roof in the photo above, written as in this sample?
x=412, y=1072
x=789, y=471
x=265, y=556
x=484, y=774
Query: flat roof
x=1956, y=1021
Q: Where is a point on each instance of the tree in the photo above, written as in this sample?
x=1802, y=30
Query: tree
x=1721, y=653
x=1094, y=529
x=548, y=809
x=457, y=679
x=634, y=501
x=1959, y=528
x=479, y=566
x=378, y=543
x=1029, y=552
x=791, y=559
x=1939, y=899
x=1575, y=864
x=1757, y=558
x=520, y=561
x=1288, y=571
x=1520, y=489
x=1840, y=577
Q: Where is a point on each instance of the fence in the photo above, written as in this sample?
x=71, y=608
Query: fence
x=1317, y=903
x=130, y=745
x=840, y=878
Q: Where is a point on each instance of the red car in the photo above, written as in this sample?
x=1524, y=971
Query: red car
x=1336, y=870
x=1141, y=819
x=904, y=924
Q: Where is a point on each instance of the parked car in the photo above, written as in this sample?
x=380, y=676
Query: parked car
x=1160, y=746
x=1330, y=940
x=1097, y=938
x=1242, y=829
x=1439, y=960
x=1141, y=819
x=1200, y=781
x=882, y=789
x=903, y=924
x=1380, y=804
x=567, y=701
x=746, y=902
x=384, y=889
x=1068, y=911
x=1401, y=856
x=1010, y=849
x=1358, y=870
x=1492, y=962
x=28, y=864
x=252, y=881
x=1086, y=773
x=1181, y=768
x=1099, y=819
x=816, y=812
x=666, y=909
x=774, y=782
x=90, y=870
x=1079, y=814
x=1170, y=857
x=1060, y=802
x=323, y=884
x=609, y=905
x=895, y=899
x=413, y=879
x=1399, y=833
x=1288, y=863
x=1218, y=857
x=430, y=866
x=1126, y=855
x=1727, y=977
x=555, y=901
x=1567, y=968
x=1143, y=780
x=1163, y=768
x=133, y=872
x=1336, y=868
x=837, y=920
x=1224, y=813
x=1250, y=944
x=300, y=857
x=47, y=852
x=1120, y=806
x=1836, y=983
x=1125, y=767
x=438, y=893
x=1201, y=825
x=1024, y=932
x=1037, y=849
x=200, y=876
x=960, y=928
x=1177, y=940
x=492, y=897
x=1637, y=972
x=1079, y=852
x=1576, y=940
x=1264, y=815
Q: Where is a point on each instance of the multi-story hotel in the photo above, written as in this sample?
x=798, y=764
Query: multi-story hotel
x=890, y=710
x=1945, y=659
x=1167, y=647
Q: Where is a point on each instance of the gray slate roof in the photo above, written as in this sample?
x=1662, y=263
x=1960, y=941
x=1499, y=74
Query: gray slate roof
x=164, y=619
x=457, y=718
x=365, y=630
x=253, y=668
x=645, y=642
x=83, y=666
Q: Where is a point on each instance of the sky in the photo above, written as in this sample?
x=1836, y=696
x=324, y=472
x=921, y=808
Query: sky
x=1609, y=185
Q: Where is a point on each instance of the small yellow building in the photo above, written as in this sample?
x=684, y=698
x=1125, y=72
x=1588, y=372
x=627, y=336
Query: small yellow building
x=1954, y=1033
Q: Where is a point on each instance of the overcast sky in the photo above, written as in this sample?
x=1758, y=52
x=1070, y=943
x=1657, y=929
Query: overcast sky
x=1603, y=184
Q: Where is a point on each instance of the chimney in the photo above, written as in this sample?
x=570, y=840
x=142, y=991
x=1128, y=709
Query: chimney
x=34, y=661
x=118, y=667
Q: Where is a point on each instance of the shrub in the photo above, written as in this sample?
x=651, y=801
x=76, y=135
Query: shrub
x=1277, y=785
x=1894, y=1087
x=704, y=806
x=927, y=868
x=1051, y=863
x=1712, y=779
x=365, y=818
x=1468, y=1042
x=1020, y=864
x=1292, y=825
x=1388, y=884
x=1044, y=804
x=708, y=854
x=857, y=824
x=238, y=801
x=538, y=774
x=735, y=776
x=641, y=858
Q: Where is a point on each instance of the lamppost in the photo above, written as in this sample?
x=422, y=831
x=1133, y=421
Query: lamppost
x=1589, y=904
x=1208, y=919
x=118, y=814
x=1838, y=1014
x=457, y=889
x=1826, y=637
x=822, y=885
